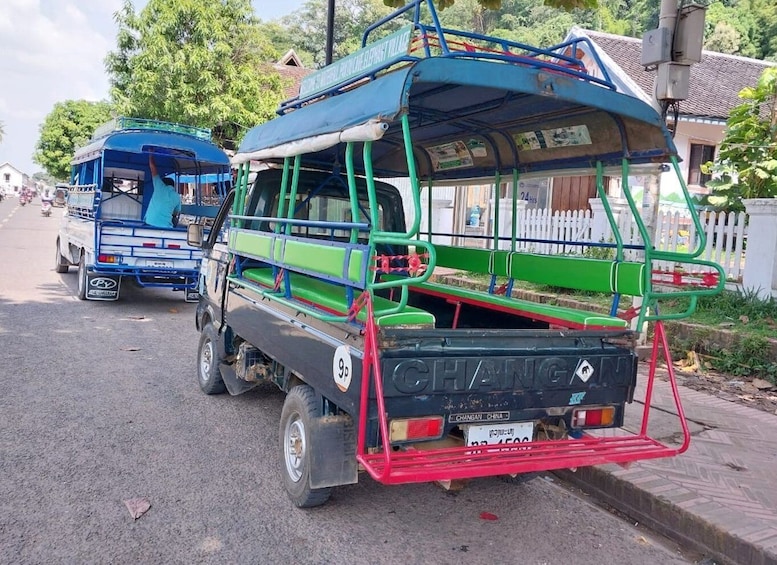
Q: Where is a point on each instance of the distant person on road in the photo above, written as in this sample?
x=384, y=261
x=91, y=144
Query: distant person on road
x=165, y=203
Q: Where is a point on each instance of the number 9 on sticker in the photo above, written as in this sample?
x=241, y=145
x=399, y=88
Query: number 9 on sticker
x=341, y=367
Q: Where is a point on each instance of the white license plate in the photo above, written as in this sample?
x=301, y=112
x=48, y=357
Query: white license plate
x=496, y=434
x=158, y=263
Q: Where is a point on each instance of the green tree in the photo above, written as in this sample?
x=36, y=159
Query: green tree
x=497, y=4
x=45, y=178
x=199, y=62
x=352, y=17
x=282, y=38
x=755, y=22
x=724, y=39
x=747, y=163
x=532, y=22
x=728, y=29
x=68, y=125
x=537, y=22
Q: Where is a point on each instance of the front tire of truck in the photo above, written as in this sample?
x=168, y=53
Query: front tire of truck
x=82, y=276
x=297, y=415
x=208, y=360
x=61, y=265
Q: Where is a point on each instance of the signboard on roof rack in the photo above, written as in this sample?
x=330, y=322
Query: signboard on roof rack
x=366, y=60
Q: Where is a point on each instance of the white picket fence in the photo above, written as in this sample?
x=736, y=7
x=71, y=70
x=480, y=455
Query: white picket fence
x=725, y=237
x=543, y=231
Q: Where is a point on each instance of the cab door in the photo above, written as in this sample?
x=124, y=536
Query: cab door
x=216, y=257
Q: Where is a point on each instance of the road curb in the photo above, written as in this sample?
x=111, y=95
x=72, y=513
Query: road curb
x=667, y=518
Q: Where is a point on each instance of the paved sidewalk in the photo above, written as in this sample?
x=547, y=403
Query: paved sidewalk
x=720, y=496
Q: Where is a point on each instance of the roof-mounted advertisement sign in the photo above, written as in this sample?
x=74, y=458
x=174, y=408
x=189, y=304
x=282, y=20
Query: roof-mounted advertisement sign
x=371, y=58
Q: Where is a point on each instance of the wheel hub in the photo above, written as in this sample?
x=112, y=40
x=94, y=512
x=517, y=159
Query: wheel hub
x=205, y=360
x=295, y=448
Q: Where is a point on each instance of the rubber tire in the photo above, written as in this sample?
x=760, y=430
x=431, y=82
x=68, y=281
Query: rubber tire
x=82, y=279
x=208, y=361
x=520, y=479
x=299, y=410
x=61, y=266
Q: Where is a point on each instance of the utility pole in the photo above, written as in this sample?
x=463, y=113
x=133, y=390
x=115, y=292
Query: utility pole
x=671, y=49
x=330, y=30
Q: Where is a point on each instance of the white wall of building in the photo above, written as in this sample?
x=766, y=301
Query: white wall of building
x=691, y=133
x=11, y=179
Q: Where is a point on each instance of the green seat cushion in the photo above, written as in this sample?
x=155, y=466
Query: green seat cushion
x=333, y=298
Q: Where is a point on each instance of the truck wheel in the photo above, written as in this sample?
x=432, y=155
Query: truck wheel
x=208, y=360
x=61, y=266
x=299, y=409
x=82, y=276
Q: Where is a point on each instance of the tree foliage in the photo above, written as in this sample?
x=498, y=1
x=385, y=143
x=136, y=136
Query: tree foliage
x=747, y=28
x=747, y=163
x=2, y=131
x=283, y=38
x=497, y=4
x=199, y=62
x=44, y=178
x=352, y=17
x=531, y=21
x=742, y=27
x=68, y=125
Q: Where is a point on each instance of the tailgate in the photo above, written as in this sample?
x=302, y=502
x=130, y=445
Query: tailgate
x=505, y=375
x=143, y=246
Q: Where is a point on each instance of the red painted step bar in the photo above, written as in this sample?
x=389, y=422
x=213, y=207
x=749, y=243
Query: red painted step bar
x=450, y=463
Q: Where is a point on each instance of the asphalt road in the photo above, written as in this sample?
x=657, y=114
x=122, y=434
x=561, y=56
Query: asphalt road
x=99, y=404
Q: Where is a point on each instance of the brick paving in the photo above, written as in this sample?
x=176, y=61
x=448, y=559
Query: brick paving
x=720, y=496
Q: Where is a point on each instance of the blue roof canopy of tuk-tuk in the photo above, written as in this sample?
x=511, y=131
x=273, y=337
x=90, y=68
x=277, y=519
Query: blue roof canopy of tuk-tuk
x=131, y=148
x=497, y=108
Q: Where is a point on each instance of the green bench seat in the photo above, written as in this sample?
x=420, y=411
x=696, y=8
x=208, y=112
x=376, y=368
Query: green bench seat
x=579, y=273
x=557, y=315
x=333, y=298
x=598, y=275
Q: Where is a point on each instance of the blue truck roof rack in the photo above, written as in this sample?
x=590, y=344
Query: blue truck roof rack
x=123, y=123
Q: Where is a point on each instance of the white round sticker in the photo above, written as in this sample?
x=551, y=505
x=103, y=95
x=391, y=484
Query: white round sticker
x=341, y=367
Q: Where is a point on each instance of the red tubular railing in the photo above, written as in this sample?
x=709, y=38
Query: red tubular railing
x=450, y=463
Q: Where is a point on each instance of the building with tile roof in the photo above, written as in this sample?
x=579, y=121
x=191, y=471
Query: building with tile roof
x=715, y=83
x=292, y=72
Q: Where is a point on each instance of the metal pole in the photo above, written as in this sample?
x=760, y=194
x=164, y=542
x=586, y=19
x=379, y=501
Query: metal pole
x=667, y=19
x=668, y=16
x=330, y=30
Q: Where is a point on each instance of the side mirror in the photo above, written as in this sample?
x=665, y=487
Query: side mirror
x=194, y=235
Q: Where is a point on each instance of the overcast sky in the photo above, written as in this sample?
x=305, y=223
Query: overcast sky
x=53, y=50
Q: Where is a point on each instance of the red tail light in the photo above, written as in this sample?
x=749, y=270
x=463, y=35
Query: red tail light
x=593, y=417
x=427, y=427
x=149, y=244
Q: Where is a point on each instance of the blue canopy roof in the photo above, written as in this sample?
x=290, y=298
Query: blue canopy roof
x=504, y=115
x=189, y=152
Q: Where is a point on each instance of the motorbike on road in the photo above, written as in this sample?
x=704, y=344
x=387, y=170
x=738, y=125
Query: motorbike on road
x=45, y=207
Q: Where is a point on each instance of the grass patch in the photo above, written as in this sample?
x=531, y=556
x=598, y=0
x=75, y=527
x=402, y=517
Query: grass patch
x=741, y=311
